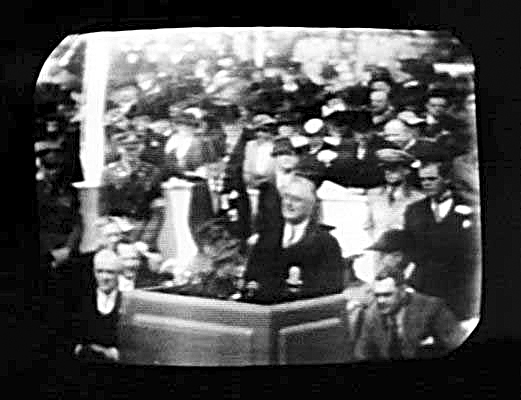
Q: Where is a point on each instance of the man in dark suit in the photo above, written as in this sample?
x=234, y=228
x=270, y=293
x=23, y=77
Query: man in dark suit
x=445, y=234
x=216, y=194
x=297, y=254
x=98, y=312
x=401, y=324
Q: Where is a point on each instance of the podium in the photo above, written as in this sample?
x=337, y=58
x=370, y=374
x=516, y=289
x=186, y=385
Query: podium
x=158, y=328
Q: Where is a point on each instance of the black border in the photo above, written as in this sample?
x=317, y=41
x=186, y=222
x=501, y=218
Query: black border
x=492, y=33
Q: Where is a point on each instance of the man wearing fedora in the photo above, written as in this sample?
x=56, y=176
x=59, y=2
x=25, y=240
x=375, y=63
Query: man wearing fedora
x=402, y=324
x=387, y=203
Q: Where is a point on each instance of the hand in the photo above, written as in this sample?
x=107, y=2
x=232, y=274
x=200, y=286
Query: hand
x=110, y=353
x=326, y=156
x=253, y=239
x=60, y=255
x=77, y=349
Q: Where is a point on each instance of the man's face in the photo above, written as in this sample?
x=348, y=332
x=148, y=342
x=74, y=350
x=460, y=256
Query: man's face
x=264, y=133
x=432, y=183
x=398, y=133
x=106, y=275
x=298, y=200
x=391, y=259
x=363, y=138
x=129, y=258
x=395, y=174
x=437, y=106
x=387, y=295
x=125, y=95
x=381, y=86
x=141, y=123
x=131, y=142
x=112, y=235
x=285, y=169
x=379, y=102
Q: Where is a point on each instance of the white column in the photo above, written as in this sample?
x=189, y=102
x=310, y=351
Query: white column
x=260, y=47
x=92, y=146
x=95, y=78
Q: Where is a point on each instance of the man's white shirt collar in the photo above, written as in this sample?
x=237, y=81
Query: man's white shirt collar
x=444, y=207
x=299, y=230
x=106, y=302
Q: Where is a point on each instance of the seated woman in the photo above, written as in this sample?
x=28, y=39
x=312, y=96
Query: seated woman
x=131, y=188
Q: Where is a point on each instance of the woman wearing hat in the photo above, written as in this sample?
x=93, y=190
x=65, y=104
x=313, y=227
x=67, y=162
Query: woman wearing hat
x=186, y=150
x=258, y=164
x=131, y=188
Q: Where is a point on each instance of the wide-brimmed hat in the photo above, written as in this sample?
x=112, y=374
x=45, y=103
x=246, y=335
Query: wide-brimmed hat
x=262, y=120
x=391, y=156
x=311, y=169
x=410, y=118
x=191, y=116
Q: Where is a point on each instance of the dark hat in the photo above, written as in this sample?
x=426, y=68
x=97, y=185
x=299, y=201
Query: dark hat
x=428, y=150
x=381, y=74
x=439, y=89
x=339, y=118
x=311, y=169
x=392, y=240
x=394, y=157
x=283, y=145
x=360, y=121
x=356, y=97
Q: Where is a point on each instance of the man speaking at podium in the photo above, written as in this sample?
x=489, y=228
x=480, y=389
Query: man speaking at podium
x=298, y=258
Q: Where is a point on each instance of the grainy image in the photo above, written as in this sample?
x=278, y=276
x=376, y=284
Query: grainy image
x=258, y=196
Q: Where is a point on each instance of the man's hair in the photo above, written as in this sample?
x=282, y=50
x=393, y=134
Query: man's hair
x=393, y=272
x=444, y=167
x=104, y=257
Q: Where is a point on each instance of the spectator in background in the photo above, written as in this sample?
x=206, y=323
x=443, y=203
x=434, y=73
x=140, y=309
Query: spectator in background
x=387, y=203
x=440, y=125
x=445, y=233
x=381, y=109
x=401, y=324
x=404, y=131
x=131, y=189
x=60, y=221
x=258, y=163
x=215, y=195
x=357, y=165
x=96, y=331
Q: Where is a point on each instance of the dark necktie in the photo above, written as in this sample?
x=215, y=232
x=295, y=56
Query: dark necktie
x=391, y=195
x=395, y=349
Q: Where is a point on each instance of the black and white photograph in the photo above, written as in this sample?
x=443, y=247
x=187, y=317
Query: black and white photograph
x=259, y=196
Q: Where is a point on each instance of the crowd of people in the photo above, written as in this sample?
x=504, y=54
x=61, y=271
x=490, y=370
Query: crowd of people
x=411, y=146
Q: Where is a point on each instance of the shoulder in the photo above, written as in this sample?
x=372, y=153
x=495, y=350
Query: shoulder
x=424, y=303
x=375, y=192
